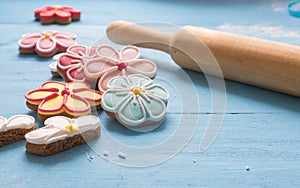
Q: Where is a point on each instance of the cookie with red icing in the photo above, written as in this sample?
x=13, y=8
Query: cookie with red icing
x=112, y=63
x=66, y=99
x=57, y=14
x=70, y=65
x=47, y=43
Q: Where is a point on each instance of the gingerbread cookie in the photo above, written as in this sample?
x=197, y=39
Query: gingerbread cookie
x=15, y=128
x=70, y=64
x=47, y=43
x=67, y=99
x=136, y=102
x=61, y=133
x=113, y=63
x=57, y=14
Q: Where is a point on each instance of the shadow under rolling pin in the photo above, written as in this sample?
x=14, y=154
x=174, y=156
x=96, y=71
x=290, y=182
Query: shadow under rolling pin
x=267, y=64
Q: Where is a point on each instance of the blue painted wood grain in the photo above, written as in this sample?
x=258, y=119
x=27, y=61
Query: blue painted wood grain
x=261, y=128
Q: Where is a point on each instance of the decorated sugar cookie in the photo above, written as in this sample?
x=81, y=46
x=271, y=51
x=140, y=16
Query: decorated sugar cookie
x=15, y=128
x=57, y=14
x=67, y=99
x=70, y=64
x=61, y=133
x=113, y=63
x=47, y=43
x=136, y=102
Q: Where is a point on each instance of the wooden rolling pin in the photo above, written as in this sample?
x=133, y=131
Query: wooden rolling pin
x=267, y=64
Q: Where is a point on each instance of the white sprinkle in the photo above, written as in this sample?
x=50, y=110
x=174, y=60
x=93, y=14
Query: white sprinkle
x=194, y=160
x=247, y=168
x=105, y=153
x=122, y=155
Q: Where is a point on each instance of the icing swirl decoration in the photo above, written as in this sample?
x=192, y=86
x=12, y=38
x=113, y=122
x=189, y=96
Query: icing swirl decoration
x=57, y=14
x=136, y=101
x=70, y=64
x=59, y=128
x=71, y=99
x=16, y=122
x=112, y=63
x=47, y=43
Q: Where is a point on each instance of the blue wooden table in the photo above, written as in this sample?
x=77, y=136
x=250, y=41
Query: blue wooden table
x=257, y=146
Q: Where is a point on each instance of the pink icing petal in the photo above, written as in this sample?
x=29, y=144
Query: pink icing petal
x=75, y=73
x=64, y=41
x=29, y=40
x=142, y=66
x=93, y=51
x=108, y=52
x=129, y=53
x=47, y=14
x=77, y=49
x=94, y=68
x=103, y=82
x=67, y=60
x=66, y=34
x=62, y=14
x=46, y=45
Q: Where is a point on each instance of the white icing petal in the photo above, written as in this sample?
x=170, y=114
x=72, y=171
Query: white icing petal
x=2, y=123
x=17, y=122
x=53, y=66
x=60, y=127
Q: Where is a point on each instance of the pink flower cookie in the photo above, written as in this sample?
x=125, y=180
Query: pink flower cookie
x=57, y=14
x=70, y=64
x=47, y=43
x=66, y=99
x=113, y=63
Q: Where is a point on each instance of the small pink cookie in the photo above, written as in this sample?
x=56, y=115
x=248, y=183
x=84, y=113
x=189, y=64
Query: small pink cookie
x=47, y=43
x=57, y=14
x=112, y=63
x=70, y=64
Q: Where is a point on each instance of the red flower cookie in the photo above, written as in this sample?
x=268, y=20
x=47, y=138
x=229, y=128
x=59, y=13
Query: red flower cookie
x=67, y=99
x=47, y=43
x=57, y=14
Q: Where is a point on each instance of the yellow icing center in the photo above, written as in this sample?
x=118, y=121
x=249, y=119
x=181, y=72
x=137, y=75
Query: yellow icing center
x=136, y=90
x=71, y=129
x=57, y=7
x=47, y=35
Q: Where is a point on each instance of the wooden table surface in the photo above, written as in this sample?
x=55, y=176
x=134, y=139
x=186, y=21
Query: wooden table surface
x=260, y=130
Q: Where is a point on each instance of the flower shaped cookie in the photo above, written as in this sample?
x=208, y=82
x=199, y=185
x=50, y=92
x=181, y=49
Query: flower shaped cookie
x=69, y=99
x=136, y=102
x=70, y=64
x=113, y=63
x=57, y=14
x=47, y=43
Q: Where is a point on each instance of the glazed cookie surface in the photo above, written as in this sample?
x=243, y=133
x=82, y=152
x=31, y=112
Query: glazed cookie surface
x=61, y=133
x=136, y=102
x=15, y=128
x=70, y=65
x=68, y=99
x=57, y=14
x=112, y=63
x=47, y=43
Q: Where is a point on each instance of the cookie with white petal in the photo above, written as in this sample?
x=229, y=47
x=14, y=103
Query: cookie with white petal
x=136, y=102
x=61, y=133
x=15, y=128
